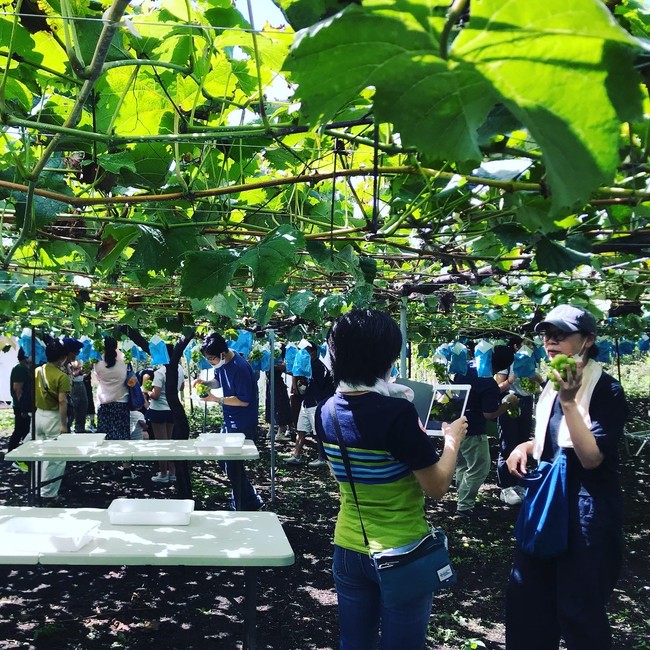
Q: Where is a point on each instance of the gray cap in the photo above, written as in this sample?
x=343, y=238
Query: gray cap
x=569, y=319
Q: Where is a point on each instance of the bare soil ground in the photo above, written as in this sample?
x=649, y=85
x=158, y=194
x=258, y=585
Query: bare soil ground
x=148, y=607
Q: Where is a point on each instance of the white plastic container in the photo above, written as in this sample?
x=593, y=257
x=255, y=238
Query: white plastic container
x=47, y=534
x=231, y=443
x=150, y=512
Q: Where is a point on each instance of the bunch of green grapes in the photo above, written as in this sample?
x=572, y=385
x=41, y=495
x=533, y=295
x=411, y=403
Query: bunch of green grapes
x=231, y=334
x=255, y=355
x=560, y=362
x=128, y=355
x=439, y=369
x=529, y=385
x=514, y=411
x=87, y=367
x=195, y=354
x=98, y=345
x=202, y=390
x=147, y=385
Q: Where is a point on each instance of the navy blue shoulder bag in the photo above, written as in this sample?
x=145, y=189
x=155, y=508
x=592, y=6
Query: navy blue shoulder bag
x=542, y=527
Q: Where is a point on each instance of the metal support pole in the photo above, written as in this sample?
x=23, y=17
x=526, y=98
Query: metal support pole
x=272, y=411
x=402, y=356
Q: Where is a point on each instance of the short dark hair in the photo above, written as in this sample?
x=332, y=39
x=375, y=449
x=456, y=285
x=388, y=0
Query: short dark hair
x=214, y=345
x=54, y=351
x=502, y=357
x=515, y=340
x=593, y=351
x=21, y=354
x=363, y=343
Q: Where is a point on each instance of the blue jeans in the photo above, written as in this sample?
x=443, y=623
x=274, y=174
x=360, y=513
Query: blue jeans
x=362, y=614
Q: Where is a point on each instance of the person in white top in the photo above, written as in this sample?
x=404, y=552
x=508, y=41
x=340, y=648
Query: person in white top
x=112, y=393
x=113, y=417
x=161, y=417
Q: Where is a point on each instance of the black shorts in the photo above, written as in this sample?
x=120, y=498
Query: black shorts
x=159, y=417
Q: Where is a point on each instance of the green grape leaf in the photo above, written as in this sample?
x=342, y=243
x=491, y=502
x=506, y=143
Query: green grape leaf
x=225, y=304
x=300, y=301
x=207, y=273
x=273, y=256
x=115, y=239
x=115, y=162
x=302, y=13
x=438, y=105
x=511, y=43
x=435, y=105
x=159, y=250
x=555, y=258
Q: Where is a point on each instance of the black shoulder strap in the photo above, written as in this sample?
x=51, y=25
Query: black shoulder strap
x=346, y=463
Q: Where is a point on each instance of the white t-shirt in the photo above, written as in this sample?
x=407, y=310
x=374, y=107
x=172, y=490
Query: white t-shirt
x=159, y=377
x=516, y=384
x=110, y=381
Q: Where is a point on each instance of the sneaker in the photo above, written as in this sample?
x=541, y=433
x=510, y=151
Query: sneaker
x=319, y=462
x=129, y=476
x=160, y=478
x=510, y=496
x=293, y=460
x=20, y=465
x=172, y=478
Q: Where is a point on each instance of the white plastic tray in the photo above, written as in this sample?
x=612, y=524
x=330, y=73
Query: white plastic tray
x=150, y=512
x=47, y=535
x=231, y=443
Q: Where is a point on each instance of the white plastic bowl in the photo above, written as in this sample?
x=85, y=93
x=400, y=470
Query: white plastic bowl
x=150, y=512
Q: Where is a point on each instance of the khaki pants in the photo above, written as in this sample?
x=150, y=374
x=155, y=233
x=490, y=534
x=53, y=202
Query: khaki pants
x=48, y=426
x=472, y=468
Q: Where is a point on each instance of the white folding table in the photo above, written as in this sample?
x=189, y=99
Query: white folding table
x=36, y=451
x=212, y=539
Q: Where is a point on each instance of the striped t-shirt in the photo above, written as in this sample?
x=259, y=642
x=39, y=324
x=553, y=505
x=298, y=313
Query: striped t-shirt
x=385, y=444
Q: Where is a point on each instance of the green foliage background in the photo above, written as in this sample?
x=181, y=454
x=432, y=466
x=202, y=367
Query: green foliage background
x=170, y=165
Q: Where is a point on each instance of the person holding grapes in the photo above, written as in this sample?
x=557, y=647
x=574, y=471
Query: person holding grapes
x=580, y=413
x=240, y=401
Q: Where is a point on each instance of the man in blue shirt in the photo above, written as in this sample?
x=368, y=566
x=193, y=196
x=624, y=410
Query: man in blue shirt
x=240, y=401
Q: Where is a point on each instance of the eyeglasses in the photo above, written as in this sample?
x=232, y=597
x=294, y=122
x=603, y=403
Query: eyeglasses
x=557, y=335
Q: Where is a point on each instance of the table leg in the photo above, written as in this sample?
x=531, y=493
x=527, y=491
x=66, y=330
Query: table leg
x=34, y=480
x=240, y=481
x=250, y=608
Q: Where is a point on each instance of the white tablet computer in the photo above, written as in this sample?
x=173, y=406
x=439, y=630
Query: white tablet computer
x=449, y=403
